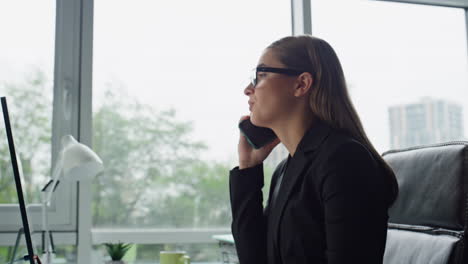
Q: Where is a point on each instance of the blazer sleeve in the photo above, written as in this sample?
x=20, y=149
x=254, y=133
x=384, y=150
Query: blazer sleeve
x=248, y=220
x=354, y=208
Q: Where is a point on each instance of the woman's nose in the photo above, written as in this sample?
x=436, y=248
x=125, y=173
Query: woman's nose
x=249, y=89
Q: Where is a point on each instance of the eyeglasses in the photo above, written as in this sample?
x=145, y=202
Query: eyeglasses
x=254, y=76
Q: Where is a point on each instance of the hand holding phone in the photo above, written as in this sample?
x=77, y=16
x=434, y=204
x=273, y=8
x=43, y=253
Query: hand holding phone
x=255, y=135
x=255, y=143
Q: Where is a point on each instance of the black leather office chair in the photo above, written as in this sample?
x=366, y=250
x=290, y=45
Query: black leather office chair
x=429, y=221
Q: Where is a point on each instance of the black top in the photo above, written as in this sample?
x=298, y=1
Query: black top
x=278, y=182
x=330, y=208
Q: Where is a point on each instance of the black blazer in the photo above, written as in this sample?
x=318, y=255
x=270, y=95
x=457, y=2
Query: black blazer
x=331, y=207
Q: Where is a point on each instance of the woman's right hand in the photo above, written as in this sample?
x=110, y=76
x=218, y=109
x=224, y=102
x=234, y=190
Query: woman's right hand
x=250, y=157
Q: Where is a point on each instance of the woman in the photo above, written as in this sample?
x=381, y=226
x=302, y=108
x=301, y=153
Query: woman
x=329, y=198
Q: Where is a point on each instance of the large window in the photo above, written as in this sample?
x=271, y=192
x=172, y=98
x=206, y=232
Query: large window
x=26, y=75
x=168, y=81
x=406, y=68
x=167, y=96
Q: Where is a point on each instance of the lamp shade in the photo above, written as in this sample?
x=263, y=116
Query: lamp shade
x=75, y=161
x=76, y=154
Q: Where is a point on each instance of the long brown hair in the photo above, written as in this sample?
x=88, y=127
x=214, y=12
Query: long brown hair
x=329, y=98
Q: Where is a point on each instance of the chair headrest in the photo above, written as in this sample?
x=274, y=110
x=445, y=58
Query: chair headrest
x=433, y=185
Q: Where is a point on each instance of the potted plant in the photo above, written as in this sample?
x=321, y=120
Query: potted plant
x=117, y=252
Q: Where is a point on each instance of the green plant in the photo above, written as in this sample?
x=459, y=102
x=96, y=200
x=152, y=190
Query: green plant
x=117, y=251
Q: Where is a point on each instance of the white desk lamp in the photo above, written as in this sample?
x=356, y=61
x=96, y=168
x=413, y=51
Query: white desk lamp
x=75, y=161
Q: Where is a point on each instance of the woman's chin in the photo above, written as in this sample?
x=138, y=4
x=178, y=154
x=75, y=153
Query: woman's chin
x=254, y=120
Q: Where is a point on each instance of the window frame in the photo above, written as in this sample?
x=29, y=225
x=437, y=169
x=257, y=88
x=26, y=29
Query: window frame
x=70, y=213
x=450, y=3
x=70, y=115
x=301, y=24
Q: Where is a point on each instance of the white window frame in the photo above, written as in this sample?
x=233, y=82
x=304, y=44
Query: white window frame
x=446, y=3
x=70, y=214
x=301, y=16
x=71, y=115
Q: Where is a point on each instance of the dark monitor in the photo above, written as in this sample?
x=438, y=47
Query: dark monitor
x=31, y=257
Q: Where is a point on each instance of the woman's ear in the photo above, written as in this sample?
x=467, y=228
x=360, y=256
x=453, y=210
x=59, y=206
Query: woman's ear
x=304, y=84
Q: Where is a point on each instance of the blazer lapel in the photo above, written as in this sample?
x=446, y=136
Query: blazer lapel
x=311, y=140
x=292, y=174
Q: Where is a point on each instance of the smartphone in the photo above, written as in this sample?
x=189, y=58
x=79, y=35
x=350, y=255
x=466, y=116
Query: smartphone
x=255, y=135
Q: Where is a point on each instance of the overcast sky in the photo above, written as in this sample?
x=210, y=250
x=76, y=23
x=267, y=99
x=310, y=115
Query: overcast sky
x=196, y=56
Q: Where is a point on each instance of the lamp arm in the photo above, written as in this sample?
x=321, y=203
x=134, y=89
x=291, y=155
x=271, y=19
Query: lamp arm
x=56, y=174
x=45, y=233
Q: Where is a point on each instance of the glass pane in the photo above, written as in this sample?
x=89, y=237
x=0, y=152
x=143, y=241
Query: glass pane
x=199, y=253
x=26, y=76
x=168, y=94
x=406, y=68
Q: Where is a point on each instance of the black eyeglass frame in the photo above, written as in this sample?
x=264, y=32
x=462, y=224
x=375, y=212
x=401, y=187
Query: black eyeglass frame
x=286, y=71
